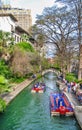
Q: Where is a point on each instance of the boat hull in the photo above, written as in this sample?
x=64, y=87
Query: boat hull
x=35, y=91
x=54, y=113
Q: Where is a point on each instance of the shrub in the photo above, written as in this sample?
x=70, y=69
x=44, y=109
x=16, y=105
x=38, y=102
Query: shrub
x=2, y=80
x=56, y=66
x=2, y=105
x=4, y=85
x=71, y=77
x=4, y=69
x=25, y=46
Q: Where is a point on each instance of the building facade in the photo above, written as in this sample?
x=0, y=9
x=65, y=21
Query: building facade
x=8, y=24
x=22, y=15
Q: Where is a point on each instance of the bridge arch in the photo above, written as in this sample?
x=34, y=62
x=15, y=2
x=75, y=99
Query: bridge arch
x=50, y=70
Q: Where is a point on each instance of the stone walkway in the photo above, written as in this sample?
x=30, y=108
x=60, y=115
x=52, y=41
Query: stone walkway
x=74, y=102
x=77, y=107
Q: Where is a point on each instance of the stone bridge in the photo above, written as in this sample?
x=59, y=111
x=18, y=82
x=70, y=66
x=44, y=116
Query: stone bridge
x=50, y=70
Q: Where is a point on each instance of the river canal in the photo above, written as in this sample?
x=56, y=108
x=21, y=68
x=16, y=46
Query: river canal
x=30, y=111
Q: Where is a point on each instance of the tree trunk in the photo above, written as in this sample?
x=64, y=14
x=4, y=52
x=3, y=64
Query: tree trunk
x=80, y=42
x=80, y=64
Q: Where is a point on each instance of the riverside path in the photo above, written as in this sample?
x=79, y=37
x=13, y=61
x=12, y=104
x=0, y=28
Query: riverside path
x=75, y=103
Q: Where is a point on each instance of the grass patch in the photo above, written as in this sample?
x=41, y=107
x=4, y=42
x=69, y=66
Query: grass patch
x=17, y=79
x=25, y=46
x=71, y=77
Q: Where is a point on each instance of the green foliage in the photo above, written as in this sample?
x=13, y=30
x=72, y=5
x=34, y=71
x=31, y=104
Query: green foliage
x=5, y=37
x=25, y=37
x=4, y=75
x=79, y=81
x=1, y=50
x=24, y=46
x=4, y=86
x=71, y=77
x=18, y=79
x=35, y=68
x=2, y=80
x=35, y=60
x=56, y=66
x=45, y=64
x=2, y=105
x=4, y=69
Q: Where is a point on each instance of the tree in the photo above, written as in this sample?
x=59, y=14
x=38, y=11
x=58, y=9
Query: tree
x=24, y=60
x=25, y=37
x=75, y=6
x=20, y=63
x=57, y=25
x=38, y=35
x=6, y=41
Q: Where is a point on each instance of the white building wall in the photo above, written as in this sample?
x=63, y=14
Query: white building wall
x=17, y=37
x=6, y=23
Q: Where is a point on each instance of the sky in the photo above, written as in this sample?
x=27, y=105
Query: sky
x=36, y=6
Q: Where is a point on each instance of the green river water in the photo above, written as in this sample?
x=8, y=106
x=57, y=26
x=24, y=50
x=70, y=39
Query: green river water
x=30, y=111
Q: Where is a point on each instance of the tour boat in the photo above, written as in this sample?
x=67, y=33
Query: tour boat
x=38, y=87
x=60, y=105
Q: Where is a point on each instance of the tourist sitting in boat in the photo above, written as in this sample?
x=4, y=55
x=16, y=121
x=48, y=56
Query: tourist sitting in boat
x=38, y=87
x=35, y=86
